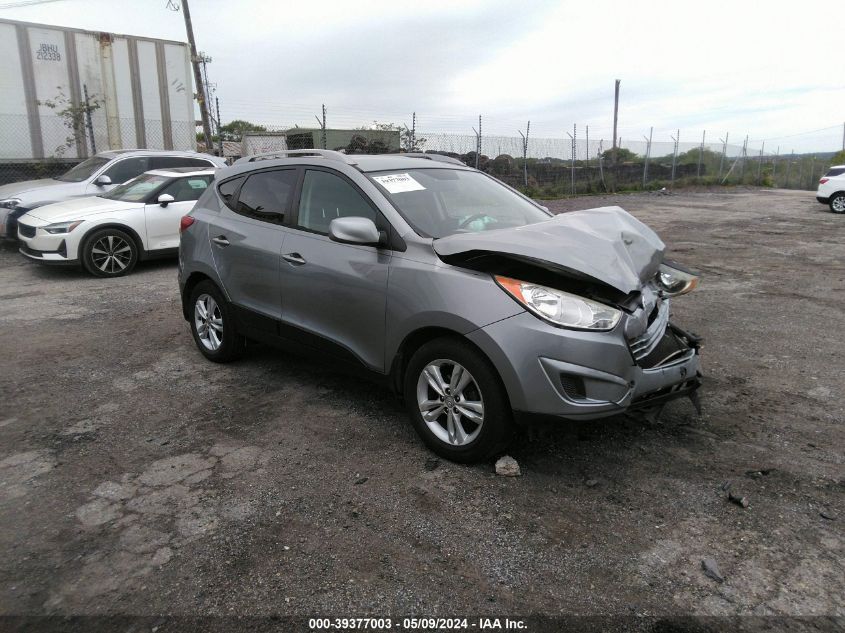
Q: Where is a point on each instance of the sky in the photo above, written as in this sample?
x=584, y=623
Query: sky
x=761, y=69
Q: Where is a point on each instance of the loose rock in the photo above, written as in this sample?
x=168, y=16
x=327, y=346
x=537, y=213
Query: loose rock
x=738, y=499
x=711, y=570
x=507, y=466
x=827, y=514
x=432, y=464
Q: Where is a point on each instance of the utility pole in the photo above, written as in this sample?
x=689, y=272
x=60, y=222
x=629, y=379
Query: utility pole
x=701, y=154
x=760, y=163
x=615, y=117
x=219, y=124
x=195, y=62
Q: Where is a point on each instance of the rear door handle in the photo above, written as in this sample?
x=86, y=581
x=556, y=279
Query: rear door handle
x=294, y=258
x=220, y=240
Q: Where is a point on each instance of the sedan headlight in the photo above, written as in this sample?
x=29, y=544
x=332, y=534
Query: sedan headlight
x=62, y=227
x=674, y=280
x=561, y=308
x=10, y=203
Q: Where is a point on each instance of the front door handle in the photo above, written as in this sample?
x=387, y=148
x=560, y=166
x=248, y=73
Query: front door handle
x=294, y=258
x=220, y=240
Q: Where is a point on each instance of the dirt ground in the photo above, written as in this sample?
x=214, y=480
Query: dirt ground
x=138, y=478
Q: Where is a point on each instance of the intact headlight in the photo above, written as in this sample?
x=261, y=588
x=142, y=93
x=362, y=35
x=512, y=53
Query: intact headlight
x=10, y=203
x=561, y=308
x=675, y=280
x=62, y=227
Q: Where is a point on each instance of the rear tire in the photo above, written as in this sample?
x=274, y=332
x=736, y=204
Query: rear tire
x=109, y=252
x=837, y=203
x=213, y=324
x=467, y=413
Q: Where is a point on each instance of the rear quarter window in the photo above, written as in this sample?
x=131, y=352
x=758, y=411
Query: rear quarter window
x=228, y=189
x=837, y=171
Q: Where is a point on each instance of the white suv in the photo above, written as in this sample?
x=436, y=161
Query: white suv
x=832, y=189
x=109, y=233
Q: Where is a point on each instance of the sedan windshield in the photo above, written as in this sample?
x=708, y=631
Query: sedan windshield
x=137, y=189
x=441, y=202
x=84, y=170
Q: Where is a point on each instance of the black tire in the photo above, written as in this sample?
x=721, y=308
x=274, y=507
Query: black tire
x=496, y=430
x=109, y=252
x=837, y=200
x=232, y=343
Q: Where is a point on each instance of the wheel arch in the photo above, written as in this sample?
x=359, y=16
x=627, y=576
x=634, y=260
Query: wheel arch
x=419, y=337
x=139, y=243
x=193, y=280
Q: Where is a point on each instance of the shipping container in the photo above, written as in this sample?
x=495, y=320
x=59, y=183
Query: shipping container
x=139, y=93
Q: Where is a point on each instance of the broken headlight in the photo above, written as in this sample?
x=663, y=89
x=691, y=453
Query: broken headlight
x=675, y=280
x=561, y=308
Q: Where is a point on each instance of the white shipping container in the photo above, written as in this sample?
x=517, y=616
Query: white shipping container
x=144, y=87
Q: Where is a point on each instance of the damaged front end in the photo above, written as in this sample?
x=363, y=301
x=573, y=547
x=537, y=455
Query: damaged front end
x=600, y=280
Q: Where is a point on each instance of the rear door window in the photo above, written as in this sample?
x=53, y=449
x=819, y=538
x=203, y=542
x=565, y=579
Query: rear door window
x=127, y=169
x=187, y=189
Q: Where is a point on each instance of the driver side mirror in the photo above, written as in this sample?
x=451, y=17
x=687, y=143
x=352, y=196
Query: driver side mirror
x=102, y=181
x=354, y=230
x=165, y=199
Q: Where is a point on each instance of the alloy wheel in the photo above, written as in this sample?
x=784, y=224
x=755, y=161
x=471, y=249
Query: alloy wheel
x=838, y=204
x=450, y=402
x=208, y=321
x=111, y=254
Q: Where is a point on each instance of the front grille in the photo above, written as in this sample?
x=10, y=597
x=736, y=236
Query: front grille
x=643, y=345
x=26, y=231
x=668, y=349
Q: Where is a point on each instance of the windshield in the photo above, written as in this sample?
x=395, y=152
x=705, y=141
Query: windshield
x=441, y=202
x=137, y=189
x=84, y=170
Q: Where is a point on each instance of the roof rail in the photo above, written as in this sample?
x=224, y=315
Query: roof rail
x=325, y=153
x=440, y=158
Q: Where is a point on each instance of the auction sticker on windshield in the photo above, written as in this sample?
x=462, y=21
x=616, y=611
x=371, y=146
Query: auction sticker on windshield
x=398, y=183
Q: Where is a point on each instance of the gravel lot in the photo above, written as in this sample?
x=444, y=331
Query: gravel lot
x=137, y=478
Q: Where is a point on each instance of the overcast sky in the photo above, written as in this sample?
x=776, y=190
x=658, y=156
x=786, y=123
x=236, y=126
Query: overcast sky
x=768, y=69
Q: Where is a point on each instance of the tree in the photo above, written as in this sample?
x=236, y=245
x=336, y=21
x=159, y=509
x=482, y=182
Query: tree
x=408, y=143
x=838, y=158
x=622, y=155
x=73, y=115
x=234, y=130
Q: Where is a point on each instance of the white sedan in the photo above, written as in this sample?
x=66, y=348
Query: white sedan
x=109, y=233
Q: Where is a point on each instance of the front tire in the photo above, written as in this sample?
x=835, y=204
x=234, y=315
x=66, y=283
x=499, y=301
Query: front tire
x=109, y=252
x=457, y=402
x=837, y=203
x=213, y=324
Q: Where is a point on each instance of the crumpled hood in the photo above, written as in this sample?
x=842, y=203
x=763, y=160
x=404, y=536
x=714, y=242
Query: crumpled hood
x=79, y=209
x=606, y=244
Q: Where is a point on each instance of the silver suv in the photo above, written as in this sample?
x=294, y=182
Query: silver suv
x=477, y=305
x=91, y=177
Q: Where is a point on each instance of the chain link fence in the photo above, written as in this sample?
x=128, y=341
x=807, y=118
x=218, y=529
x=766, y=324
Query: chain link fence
x=55, y=143
x=541, y=165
